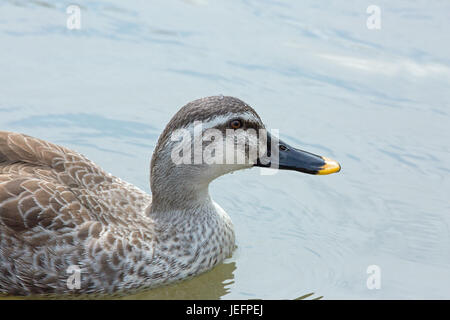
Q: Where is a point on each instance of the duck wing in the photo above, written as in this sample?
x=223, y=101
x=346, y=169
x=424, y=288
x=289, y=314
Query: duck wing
x=56, y=207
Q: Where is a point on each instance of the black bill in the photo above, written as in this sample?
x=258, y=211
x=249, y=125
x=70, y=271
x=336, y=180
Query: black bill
x=283, y=156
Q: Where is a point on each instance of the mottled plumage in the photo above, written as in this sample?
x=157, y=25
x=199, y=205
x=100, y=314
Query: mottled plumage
x=58, y=209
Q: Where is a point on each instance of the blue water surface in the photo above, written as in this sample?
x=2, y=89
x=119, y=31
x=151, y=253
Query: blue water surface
x=376, y=100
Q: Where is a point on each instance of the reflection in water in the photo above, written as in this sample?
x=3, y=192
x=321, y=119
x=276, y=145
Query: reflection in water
x=211, y=285
x=309, y=295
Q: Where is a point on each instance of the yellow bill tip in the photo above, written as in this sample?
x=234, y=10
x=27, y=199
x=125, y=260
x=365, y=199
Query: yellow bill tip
x=330, y=166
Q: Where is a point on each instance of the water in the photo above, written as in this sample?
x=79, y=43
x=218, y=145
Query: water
x=375, y=100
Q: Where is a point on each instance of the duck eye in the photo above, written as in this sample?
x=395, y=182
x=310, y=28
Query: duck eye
x=235, y=124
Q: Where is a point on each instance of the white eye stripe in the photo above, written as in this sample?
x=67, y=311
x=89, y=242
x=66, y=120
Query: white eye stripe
x=203, y=126
x=224, y=120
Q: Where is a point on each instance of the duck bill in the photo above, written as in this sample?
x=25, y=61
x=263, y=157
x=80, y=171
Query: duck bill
x=283, y=156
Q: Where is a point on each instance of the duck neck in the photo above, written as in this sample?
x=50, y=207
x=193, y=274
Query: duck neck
x=180, y=198
x=178, y=190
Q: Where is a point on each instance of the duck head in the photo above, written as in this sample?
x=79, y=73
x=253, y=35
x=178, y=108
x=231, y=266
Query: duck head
x=212, y=136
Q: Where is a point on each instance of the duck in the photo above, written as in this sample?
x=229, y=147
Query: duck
x=68, y=227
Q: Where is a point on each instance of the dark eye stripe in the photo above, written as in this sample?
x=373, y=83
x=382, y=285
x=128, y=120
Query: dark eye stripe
x=252, y=124
x=245, y=124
